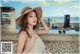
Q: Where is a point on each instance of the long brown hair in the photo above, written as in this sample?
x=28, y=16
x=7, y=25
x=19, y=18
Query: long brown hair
x=24, y=23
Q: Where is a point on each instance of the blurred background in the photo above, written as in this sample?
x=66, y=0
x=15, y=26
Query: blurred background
x=61, y=16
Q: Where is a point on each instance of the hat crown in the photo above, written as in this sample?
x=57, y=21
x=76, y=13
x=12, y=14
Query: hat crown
x=25, y=9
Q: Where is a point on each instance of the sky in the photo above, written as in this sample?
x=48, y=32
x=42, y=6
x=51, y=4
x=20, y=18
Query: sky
x=50, y=8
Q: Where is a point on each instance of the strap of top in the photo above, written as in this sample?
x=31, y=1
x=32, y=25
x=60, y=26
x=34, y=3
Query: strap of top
x=27, y=33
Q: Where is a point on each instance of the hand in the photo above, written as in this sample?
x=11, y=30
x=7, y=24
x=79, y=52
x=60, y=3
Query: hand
x=41, y=18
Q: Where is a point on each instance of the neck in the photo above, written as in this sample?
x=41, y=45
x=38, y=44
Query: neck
x=30, y=28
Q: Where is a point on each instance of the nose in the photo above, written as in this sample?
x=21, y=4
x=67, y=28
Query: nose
x=35, y=18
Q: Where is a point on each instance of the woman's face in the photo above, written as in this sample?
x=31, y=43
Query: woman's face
x=32, y=18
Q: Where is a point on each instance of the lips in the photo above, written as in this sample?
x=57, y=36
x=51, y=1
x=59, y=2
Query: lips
x=34, y=21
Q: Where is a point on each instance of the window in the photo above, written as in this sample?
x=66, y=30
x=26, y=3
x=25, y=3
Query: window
x=5, y=18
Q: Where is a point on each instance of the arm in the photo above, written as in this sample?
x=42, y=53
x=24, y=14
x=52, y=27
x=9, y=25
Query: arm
x=45, y=28
x=21, y=41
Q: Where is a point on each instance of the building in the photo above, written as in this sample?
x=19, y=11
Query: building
x=7, y=20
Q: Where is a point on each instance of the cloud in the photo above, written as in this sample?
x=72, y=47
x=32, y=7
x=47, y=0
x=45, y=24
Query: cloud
x=44, y=2
x=23, y=0
x=59, y=2
x=76, y=6
x=68, y=10
x=63, y=0
x=63, y=10
x=0, y=4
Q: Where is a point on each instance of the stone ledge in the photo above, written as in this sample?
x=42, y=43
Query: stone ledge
x=9, y=37
x=48, y=37
x=60, y=37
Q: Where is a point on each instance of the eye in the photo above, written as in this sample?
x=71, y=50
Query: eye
x=30, y=16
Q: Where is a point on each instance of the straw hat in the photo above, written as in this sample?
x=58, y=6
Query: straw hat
x=27, y=10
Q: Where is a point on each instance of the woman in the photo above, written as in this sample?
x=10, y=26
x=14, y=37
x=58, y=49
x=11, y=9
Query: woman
x=28, y=39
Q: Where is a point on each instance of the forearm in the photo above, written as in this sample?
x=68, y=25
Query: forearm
x=44, y=25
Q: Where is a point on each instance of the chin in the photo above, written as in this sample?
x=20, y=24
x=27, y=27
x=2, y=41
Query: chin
x=34, y=24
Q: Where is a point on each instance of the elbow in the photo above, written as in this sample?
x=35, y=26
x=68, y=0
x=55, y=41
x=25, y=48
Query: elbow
x=47, y=30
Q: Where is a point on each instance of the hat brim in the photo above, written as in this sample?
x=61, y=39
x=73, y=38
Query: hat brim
x=38, y=11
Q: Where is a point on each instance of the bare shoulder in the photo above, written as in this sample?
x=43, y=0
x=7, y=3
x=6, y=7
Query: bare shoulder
x=22, y=34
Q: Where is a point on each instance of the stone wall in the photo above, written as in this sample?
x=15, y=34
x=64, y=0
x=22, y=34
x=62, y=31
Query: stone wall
x=56, y=43
x=62, y=46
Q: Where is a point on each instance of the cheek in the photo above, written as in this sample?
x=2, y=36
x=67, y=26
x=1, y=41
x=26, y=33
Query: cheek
x=30, y=21
x=36, y=19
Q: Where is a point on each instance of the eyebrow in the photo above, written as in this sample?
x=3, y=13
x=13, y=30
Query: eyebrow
x=31, y=14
